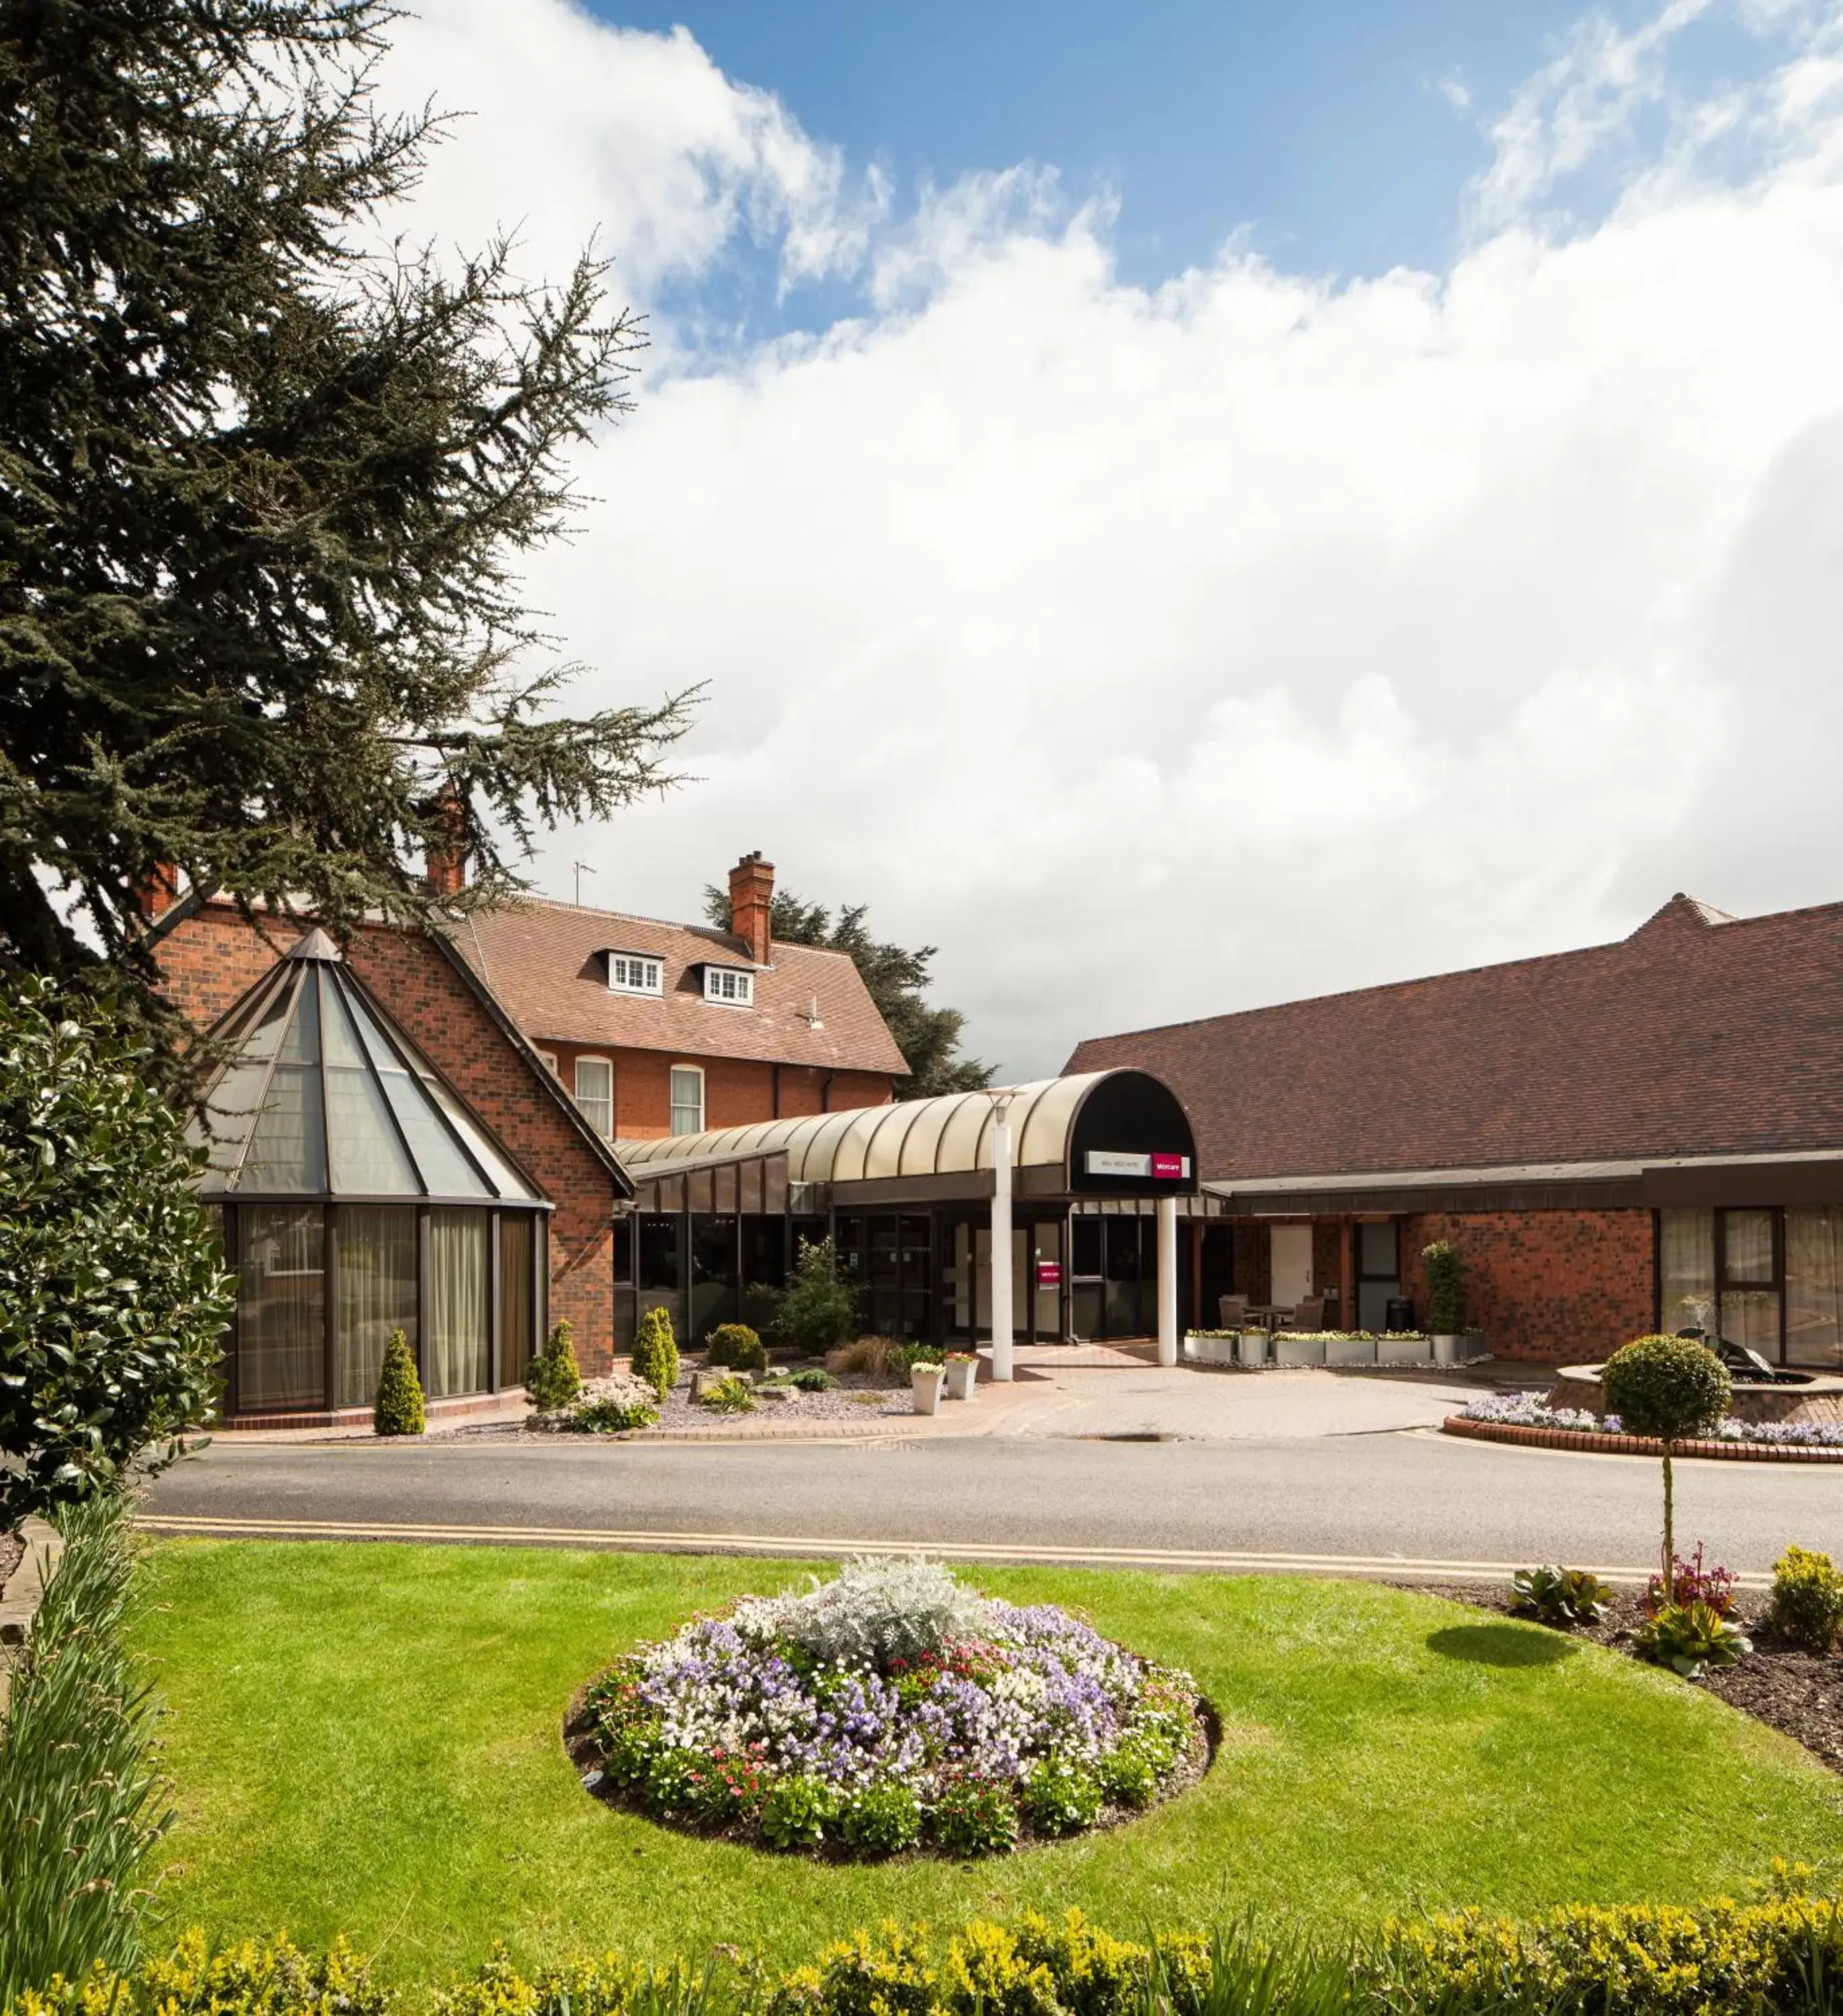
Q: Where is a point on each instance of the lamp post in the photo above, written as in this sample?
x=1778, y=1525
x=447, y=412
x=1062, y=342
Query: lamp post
x=1001, y=1283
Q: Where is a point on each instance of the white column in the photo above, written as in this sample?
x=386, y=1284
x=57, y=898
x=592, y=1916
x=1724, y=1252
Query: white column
x=1167, y=1280
x=1001, y=1288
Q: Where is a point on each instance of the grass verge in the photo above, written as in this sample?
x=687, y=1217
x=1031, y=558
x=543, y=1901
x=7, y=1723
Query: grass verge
x=367, y=1740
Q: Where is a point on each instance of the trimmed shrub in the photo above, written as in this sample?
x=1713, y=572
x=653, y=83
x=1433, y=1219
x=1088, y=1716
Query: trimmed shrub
x=81, y=1799
x=729, y=1395
x=819, y=1307
x=1446, y=1288
x=736, y=1344
x=399, y=1410
x=555, y=1379
x=1808, y=1599
x=655, y=1352
x=1674, y=1388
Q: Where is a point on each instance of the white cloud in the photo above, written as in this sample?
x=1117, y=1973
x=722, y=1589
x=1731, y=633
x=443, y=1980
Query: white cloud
x=1155, y=652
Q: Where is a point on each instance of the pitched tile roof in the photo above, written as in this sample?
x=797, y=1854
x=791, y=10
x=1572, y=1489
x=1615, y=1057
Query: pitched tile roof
x=542, y=961
x=1700, y=1035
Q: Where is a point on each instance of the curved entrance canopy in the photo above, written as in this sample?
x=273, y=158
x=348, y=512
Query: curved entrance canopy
x=1110, y=1133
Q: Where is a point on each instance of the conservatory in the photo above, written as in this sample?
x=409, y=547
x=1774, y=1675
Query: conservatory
x=359, y=1195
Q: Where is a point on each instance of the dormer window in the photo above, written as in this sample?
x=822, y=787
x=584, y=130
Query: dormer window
x=729, y=985
x=635, y=973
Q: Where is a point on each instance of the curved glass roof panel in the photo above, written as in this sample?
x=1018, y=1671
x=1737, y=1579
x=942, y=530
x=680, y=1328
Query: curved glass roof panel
x=321, y=1094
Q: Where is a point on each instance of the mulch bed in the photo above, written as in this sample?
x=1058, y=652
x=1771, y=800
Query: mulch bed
x=12, y=1550
x=1796, y=1692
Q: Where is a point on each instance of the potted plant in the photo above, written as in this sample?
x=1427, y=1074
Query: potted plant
x=963, y=1371
x=927, y=1377
x=1446, y=1300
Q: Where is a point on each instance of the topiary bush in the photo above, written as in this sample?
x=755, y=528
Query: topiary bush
x=399, y=1410
x=736, y=1345
x=1673, y=1388
x=555, y=1379
x=1807, y=1601
x=819, y=1309
x=655, y=1352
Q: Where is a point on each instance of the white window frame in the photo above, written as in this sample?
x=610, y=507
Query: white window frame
x=548, y=1060
x=673, y=1102
x=603, y=1126
x=651, y=973
x=729, y=987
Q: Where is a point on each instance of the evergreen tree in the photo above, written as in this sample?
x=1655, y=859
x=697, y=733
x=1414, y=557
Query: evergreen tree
x=264, y=493
x=398, y=1409
x=897, y=980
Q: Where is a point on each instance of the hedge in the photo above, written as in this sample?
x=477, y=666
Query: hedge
x=1783, y=1957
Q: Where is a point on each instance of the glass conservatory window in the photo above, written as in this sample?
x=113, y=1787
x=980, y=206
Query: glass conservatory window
x=1814, y=1284
x=367, y=1153
x=375, y=1294
x=518, y=1252
x=281, y=1314
x=456, y=1335
x=445, y=1169
x=288, y=1148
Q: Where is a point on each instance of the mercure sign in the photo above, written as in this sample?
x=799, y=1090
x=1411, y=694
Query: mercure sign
x=1119, y=1162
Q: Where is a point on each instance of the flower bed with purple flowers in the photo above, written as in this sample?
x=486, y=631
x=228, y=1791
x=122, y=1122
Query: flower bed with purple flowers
x=1532, y=1410
x=891, y=1709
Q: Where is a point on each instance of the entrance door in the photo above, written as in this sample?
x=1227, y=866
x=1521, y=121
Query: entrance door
x=1291, y=1255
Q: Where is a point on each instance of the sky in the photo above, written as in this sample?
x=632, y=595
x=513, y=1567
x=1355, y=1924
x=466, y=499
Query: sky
x=1195, y=505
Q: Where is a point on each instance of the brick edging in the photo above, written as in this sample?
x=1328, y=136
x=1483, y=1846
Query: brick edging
x=1604, y=1445
x=25, y=1591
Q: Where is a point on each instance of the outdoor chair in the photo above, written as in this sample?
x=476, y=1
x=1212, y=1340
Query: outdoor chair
x=1309, y=1315
x=1233, y=1311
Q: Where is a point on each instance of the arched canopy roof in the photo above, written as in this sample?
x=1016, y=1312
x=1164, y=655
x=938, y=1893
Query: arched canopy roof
x=925, y=1139
x=320, y=1095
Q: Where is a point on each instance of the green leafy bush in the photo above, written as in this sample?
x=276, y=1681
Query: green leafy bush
x=1561, y=1595
x=115, y=1300
x=796, y=1811
x=976, y=1817
x=1129, y=1775
x=1446, y=1272
x=1690, y=1638
x=808, y=1379
x=736, y=1344
x=399, y=1409
x=81, y=1800
x=819, y=1308
x=655, y=1352
x=555, y=1379
x=1807, y=1601
x=883, y=1820
x=613, y=1417
x=1058, y=1797
x=729, y=1396
x=1673, y=1388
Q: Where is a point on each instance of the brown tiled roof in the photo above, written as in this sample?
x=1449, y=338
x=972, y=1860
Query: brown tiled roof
x=1700, y=1035
x=542, y=961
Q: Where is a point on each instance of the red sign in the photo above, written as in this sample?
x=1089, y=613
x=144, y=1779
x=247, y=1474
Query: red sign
x=1170, y=1168
x=1049, y=1273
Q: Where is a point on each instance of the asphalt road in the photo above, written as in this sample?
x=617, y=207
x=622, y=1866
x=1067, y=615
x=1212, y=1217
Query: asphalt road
x=1372, y=1503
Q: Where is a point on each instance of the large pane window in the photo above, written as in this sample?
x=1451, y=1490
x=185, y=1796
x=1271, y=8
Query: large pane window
x=595, y=1092
x=281, y=1311
x=377, y=1294
x=1749, y=1284
x=1686, y=1269
x=687, y=1099
x=714, y=1298
x=455, y=1336
x=658, y=1263
x=518, y=1300
x=1814, y=1285
x=1121, y=1239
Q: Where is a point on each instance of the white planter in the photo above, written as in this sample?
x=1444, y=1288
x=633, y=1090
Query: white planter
x=1473, y=1345
x=1289, y=1350
x=1392, y=1350
x=961, y=1373
x=1447, y=1350
x=1349, y=1351
x=925, y=1384
x=1251, y=1348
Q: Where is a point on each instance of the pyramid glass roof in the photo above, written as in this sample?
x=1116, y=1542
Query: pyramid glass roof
x=321, y=1094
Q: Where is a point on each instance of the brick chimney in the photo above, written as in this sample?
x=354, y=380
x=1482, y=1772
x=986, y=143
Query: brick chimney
x=160, y=891
x=752, y=899
x=445, y=868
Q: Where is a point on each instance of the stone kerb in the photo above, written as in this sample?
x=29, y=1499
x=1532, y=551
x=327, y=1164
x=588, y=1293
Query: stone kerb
x=25, y=1590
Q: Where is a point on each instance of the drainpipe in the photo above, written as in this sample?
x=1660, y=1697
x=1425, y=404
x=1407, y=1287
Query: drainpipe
x=1001, y=1288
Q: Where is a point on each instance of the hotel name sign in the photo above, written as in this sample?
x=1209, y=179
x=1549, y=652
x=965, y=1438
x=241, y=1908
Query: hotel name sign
x=1119, y=1162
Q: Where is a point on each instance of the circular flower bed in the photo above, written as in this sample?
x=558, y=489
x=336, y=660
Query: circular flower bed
x=1532, y=1410
x=891, y=1709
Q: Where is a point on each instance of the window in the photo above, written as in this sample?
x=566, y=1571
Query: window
x=727, y=985
x=687, y=1099
x=548, y=1060
x=633, y=973
x=595, y=1092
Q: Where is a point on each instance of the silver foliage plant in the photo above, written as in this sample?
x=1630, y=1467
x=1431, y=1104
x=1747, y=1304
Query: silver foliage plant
x=875, y=1610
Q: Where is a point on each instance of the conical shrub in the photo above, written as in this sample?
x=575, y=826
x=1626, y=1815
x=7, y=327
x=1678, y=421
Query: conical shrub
x=555, y=1379
x=655, y=1352
x=399, y=1410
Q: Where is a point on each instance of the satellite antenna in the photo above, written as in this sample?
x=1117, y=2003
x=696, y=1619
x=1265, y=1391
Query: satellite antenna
x=582, y=868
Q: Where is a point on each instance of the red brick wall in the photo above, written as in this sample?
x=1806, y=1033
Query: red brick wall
x=736, y=1092
x=211, y=959
x=1562, y=1286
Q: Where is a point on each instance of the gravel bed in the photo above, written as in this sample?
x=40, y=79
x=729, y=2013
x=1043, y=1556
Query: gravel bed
x=1799, y=1692
x=857, y=1398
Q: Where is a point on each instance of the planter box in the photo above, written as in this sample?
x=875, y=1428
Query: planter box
x=960, y=1374
x=1251, y=1348
x=1349, y=1351
x=1209, y=1350
x=1460, y=1349
x=1298, y=1350
x=1408, y=1351
x=926, y=1384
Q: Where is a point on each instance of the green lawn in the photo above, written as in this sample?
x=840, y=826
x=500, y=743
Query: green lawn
x=366, y=1739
